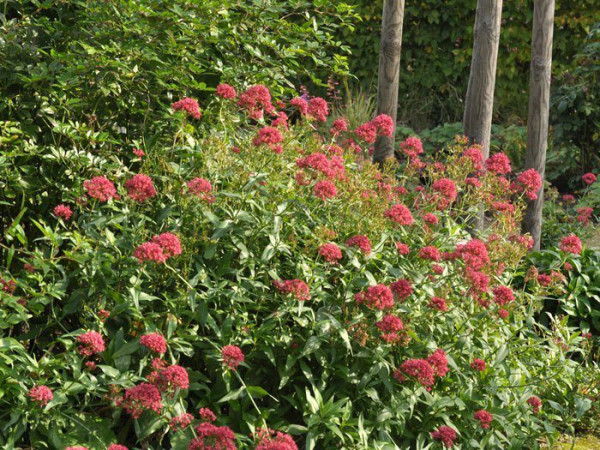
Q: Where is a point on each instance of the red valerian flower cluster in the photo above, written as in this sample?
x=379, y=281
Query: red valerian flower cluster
x=232, y=356
x=339, y=126
x=403, y=249
x=297, y=288
x=188, y=105
x=535, y=403
x=589, y=178
x=438, y=303
x=159, y=249
x=331, y=253
x=41, y=394
x=226, y=91
x=117, y=447
x=361, y=242
x=201, y=188
x=412, y=147
x=584, y=215
x=100, y=188
x=498, y=163
x=271, y=440
x=154, y=342
x=431, y=253
x=212, y=437
x=402, y=289
x=478, y=364
x=324, y=190
x=439, y=362
x=445, y=434
x=206, y=415
x=90, y=343
x=63, y=211
x=269, y=136
x=425, y=371
x=140, y=188
x=376, y=297
x=256, y=101
x=333, y=168
x=475, y=158
x=484, y=418
x=389, y=326
x=399, y=214
x=318, y=109
x=445, y=190
x=140, y=398
x=571, y=244
x=382, y=125
x=529, y=182
x=170, y=378
x=503, y=295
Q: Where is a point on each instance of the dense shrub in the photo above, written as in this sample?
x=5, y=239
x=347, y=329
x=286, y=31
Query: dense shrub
x=260, y=273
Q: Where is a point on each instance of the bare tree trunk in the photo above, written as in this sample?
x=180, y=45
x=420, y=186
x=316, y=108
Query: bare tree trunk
x=539, y=107
x=389, y=72
x=479, y=104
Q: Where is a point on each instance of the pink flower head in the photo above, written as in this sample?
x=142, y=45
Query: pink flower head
x=445, y=434
x=144, y=396
x=339, y=125
x=361, y=242
x=117, y=447
x=41, y=394
x=138, y=152
x=498, y=163
x=367, y=132
x=318, y=109
x=154, y=342
x=571, y=244
x=503, y=313
x=431, y=219
x=188, y=105
x=445, y=191
x=256, y=101
x=297, y=288
x=63, y=211
x=170, y=378
x=267, y=135
x=484, y=418
x=140, y=188
x=412, y=147
x=169, y=243
x=384, y=124
x=90, y=343
x=438, y=303
x=181, y=422
x=280, y=121
x=399, y=214
x=301, y=104
x=474, y=155
x=439, y=362
x=212, y=437
x=324, y=190
x=331, y=253
x=403, y=249
x=206, y=415
x=474, y=253
x=402, y=289
x=100, y=188
x=530, y=182
x=376, y=297
x=473, y=181
x=479, y=281
x=149, y=251
x=271, y=440
x=76, y=447
x=568, y=199
x=431, y=253
x=201, y=188
x=226, y=91
x=535, y=403
x=503, y=295
x=589, y=178
x=390, y=323
x=478, y=364
x=232, y=356
x=419, y=369
x=584, y=215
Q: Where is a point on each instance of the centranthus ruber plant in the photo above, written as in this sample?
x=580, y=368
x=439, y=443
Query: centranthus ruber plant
x=256, y=283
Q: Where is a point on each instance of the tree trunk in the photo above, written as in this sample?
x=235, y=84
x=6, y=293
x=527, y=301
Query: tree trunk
x=389, y=72
x=479, y=104
x=539, y=106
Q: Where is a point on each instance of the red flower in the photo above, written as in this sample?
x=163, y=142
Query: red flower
x=367, y=132
x=297, y=288
x=390, y=323
x=376, y=297
x=169, y=243
x=76, y=447
x=439, y=362
x=402, y=289
x=138, y=152
x=90, y=343
x=399, y=214
x=412, y=147
x=301, y=104
x=360, y=241
x=339, y=125
x=530, y=182
x=232, y=356
x=317, y=108
x=498, y=163
x=475, y=157
x=384, y=124
x=589, y=178
x=63, y=211
x=189, y=106
x=584, y=215
x=100, y=188
x=446, y=192
x=503, y=295
x=269, y=440
x=170, y=378
x=211, y=437
x=403, y=249
x=144, y=396
x=206, y=415
x=474, y=253
x=535, y=403
x=431, y=219
x=280, y=121
x=256, y=101
x=430, y=252
x=140, y=188
x=149, y=251
x=445, y=434
x=479, y=281
x=154, y=342
x=438, y=303
x=568, y=199
x=267, y=135
x=571, y=244
x=416, y=368
x=331, y=253
x=503, y=313
x=478, y=364
x=226, y=91
x=484, y=418
x=324, y=190
x=117, y=447
x=41, y=394
x=201, y=188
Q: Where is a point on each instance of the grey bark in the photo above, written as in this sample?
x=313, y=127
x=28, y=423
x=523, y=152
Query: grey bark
x=389, y=72
x=539, y=106
x=477, y=120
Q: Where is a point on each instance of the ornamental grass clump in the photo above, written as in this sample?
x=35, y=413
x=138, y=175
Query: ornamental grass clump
x=280, y=281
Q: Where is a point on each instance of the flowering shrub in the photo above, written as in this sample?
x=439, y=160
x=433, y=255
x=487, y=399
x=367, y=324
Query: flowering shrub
x=268, y=317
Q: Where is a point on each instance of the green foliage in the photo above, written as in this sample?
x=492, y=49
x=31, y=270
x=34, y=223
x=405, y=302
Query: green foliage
x=436, y=54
